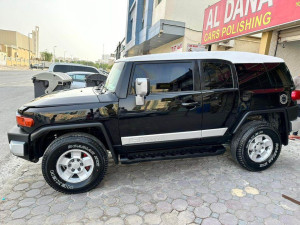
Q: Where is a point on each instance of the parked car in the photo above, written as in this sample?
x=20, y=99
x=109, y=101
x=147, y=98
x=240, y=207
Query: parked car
x=71, y=67
x=158, y=107
x=37, y=66
x=80, y=79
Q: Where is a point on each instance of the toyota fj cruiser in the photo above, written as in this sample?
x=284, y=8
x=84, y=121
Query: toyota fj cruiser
x=158, y=107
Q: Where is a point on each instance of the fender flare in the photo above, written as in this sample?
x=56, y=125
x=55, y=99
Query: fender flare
x=40, y=132
x=283, y=111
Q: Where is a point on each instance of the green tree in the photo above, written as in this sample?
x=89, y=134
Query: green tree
x=46, y=56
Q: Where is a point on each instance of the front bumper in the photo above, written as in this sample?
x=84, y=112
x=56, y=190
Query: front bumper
x=295, y=125
x=19, y=142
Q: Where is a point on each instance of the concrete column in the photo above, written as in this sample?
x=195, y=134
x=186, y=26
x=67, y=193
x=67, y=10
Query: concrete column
x=265, y=43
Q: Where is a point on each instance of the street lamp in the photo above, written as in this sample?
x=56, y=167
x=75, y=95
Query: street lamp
x=29, y=49
x=65, y=55
x=54, y=53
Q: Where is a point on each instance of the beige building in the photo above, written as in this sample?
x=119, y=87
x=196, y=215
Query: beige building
x=17, y=48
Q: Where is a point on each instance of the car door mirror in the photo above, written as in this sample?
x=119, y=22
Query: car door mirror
x=142, y=89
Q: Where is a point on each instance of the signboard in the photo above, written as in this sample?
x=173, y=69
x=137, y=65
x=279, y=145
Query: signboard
x=232, y=18
x=177, y=48
x=195, y=48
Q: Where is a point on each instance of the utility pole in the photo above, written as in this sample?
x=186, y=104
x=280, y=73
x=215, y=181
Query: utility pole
x=29, y=49
x=54, y=53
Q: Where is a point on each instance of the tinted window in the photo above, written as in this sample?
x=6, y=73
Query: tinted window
x=252, y=76
x=216, y=76
x=166, y=77
x=279, y=74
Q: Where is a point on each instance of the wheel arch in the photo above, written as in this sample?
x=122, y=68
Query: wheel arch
x=44, y=135
x=284, y=127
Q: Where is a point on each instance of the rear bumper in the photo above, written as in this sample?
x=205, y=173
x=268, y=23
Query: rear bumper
x=19, y=142
x=295, y=125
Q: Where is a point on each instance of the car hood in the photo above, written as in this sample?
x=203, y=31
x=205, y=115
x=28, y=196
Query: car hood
x=65, y=97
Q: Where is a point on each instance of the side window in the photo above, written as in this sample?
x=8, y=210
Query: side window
x=252, y=76
x=279, y=74
x=216, y=76
x=165, y=77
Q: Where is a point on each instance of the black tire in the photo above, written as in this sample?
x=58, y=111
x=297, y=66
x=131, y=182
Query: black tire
x=241, y=142
x=83, y=142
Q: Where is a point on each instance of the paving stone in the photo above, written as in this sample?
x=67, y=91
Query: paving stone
x=112, y=211
x=159, y=196
x=262, y=199
x=238, y=192
x=77, y=205
x=290, y=220
x=251, y=190
x=14, y=195
x=60, y=207
x=210, y=221
x=275, y=209
x=188, y=192
x=272, y=221
x=194, y=201
x=202, y=212
x=174, y=194
x=26, y=202
x=36, y=220
x=186, y=217
x=148, y=207
x=20, y=213
x=218, y=207
x=55, y=219
x=74, y=216
x=260, y=212
x=45, y=200
x=21, y=187
x=130, y=209
x=169, y=218
x=228, y=219
x=38, y=184
x=248, y=202
x=144, y=197
x=179, y=205
x=245, y=215
x=164, y=207
x=41, y=209
x=209, y=198
x=33, y=193
x=94, y=213
x=133, y=220
x=152, y=219
x=114, y=221
x=233, y=204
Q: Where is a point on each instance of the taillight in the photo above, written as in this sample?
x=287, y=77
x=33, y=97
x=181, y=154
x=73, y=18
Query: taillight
x=296, y=95
x=24, y=121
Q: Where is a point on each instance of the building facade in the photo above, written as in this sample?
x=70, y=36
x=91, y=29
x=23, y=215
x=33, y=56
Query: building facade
x=272, y=25
x=17, y=49
x=160, y=26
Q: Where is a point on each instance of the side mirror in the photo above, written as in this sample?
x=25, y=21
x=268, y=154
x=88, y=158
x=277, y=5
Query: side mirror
x=142, y=89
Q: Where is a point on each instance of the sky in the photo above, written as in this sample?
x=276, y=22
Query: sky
x=78, y=28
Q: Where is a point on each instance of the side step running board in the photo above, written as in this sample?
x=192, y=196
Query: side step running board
x=194, y=152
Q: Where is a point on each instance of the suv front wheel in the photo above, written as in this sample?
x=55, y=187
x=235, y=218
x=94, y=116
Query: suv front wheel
x=74, y=163
x=256, y=146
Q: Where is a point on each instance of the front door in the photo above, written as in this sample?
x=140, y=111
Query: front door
x=172, y=111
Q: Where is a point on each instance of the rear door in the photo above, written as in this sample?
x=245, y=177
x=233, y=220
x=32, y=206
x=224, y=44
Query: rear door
x=172, y=110
x=220, y=96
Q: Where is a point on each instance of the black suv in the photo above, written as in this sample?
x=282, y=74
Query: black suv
x=160, y=107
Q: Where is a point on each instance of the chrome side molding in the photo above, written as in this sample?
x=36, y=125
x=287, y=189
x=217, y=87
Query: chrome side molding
x=154, y=138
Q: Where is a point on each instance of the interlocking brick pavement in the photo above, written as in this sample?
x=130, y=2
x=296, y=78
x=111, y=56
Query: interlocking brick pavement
x=209, y=190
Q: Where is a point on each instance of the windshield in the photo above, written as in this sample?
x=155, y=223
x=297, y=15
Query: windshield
x=113, y=77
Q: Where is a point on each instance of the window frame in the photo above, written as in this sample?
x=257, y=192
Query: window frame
x=233, y=74
x=196, y=76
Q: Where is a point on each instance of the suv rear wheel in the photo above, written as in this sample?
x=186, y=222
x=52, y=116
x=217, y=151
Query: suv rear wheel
x=74, y=163
x=256, y=146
